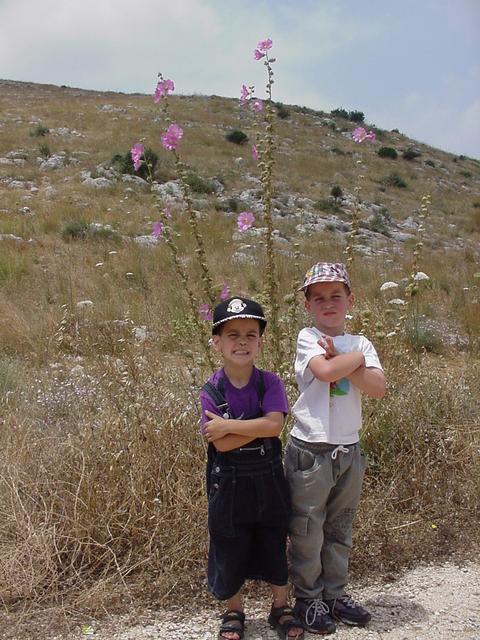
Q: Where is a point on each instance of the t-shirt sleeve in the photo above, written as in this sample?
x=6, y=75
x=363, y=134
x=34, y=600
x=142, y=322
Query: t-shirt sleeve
x=275, y=398
x=206, y=403
x=371, y=356
x=307, y=348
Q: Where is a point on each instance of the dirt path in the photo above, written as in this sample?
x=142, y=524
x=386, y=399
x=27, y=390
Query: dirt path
x=430, y=602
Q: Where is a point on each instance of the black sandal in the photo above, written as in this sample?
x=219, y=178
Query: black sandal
x=282, y=628
x=227, y=626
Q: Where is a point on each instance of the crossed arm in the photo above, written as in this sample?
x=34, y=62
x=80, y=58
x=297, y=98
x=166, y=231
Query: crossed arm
x=227, y=433
x=333, y=365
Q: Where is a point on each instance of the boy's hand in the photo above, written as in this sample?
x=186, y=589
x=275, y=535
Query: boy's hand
x=326, y=342
x=214, y=428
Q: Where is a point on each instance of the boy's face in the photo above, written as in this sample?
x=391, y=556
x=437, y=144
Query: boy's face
x=239, y=341
x=328, y=303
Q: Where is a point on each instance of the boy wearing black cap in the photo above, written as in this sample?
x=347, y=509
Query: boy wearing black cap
x=243, y=409
x=323, y=461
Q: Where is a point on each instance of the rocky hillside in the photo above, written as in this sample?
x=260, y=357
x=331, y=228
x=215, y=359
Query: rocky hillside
x=62, y=177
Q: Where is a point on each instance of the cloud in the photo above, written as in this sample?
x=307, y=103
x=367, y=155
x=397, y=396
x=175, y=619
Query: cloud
x=330, y=54
x=60, y=41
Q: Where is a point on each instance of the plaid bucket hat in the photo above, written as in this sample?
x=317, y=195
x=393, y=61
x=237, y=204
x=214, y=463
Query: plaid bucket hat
x=326, y=272
x=238, y=307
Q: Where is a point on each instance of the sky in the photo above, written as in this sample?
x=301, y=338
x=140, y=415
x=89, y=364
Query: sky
x=413, y=65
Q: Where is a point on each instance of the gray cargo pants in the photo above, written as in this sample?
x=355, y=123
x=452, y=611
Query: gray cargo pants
x=325, y=484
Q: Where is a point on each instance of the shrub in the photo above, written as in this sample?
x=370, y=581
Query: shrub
x=44, y=150
x=423, y=338
x=466, y=174
x=75, y=230
x=81, y=230
x=387, y=152
x=411, y=154
x=124, y=164
x=430, y=163
x=336, y=192
x=282, y=111
x=394, y=180
x=233, y=204
x=339, y=113
x=327, y=205
x=356, y=116
x=237, y=137
x=378, y=222
x=39, y=131
x=199, y=184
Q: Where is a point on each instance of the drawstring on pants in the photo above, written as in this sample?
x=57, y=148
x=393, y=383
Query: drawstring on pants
x=340, y=448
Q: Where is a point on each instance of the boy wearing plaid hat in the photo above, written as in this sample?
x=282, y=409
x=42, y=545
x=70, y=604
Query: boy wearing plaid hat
x=323, y=462
x=243, y=410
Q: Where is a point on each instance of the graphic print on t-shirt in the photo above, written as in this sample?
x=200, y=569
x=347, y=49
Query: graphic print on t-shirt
x=339, y=387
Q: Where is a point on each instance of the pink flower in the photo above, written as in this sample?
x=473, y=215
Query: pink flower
x=265, y=45
x=157, y=231
x=244, y=95
x=167, y=213
x=137, y=152
x=205, y=312
x=224, y=292
x=255, y=152
x=257, y=105
x=172, y=137
x=162, y=89
x=245, y=220
x=258, y=54
x=359, y=135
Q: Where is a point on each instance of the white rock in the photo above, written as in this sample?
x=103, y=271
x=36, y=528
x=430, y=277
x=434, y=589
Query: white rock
x=146, y=240
x=78, y=371
x=420, y=275
x=134, y=180
x=16, y=184
x=84, y=304
x=55, y=161
x=98, y=183
x=397, y=301
x=10, y=236
x=141, y=333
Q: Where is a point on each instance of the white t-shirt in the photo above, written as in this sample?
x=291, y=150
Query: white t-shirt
x=328, y=412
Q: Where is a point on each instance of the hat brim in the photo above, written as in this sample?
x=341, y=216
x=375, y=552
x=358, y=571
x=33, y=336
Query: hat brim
x=248, y=316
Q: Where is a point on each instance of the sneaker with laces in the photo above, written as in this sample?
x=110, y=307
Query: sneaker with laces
x=348, y=611
x=314, y=615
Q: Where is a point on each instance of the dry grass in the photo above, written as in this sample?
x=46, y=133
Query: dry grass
x=101, y=481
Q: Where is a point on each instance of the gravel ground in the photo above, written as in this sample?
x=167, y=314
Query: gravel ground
x=430, y=602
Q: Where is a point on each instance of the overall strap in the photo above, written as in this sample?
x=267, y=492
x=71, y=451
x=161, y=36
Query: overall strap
x=217, y=396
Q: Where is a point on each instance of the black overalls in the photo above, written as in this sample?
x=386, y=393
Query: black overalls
x=248, y=512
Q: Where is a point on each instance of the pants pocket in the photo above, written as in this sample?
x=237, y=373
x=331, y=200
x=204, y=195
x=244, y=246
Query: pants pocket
x=220, y=506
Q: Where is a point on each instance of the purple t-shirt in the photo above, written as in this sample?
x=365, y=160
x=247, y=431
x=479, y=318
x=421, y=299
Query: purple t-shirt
x=244, y=403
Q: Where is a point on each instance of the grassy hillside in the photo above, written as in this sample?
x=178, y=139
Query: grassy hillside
x=101, y=487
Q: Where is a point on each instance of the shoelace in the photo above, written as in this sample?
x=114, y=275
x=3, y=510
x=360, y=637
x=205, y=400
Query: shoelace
x=348, y=601
x=340, y=448
x=316, y=608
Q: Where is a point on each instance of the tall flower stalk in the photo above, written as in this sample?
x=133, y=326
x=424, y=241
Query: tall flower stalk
x=415, y=276
x=263, y=152
x=359, y=135
x=170, y=140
